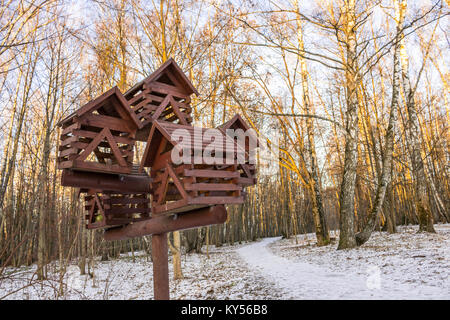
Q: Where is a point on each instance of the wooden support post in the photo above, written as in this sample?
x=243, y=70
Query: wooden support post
x=160, y=267
x=159, y=226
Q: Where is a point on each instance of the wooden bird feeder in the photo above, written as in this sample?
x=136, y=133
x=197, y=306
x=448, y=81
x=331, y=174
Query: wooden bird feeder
x=164, y=95
x=247, y=170
x=107, y=209
x=185, y=187
x=96, y=155
x=100, y=136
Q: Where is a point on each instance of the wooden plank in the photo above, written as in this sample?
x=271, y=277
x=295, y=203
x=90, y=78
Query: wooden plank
x=246, y=181
x=70, y=128
x=68, y=152
x=161, y=108
x=98, y=167
x=175, y=117
x=137, y=97
x=162, y=189
x=170, y=206
x=96, y=225
x=246, y=170
x=129, y=200
x=163, y=223
x=154, y=97
x=92, y=135
x=115, y=148
x=65, y=164
x=177, y=111
x=112, y=123
x=210, y=173
x=147, y=150
x=92, y=145
x=216, y=200
x=213, y=187
x=177, y=181
x=126, y=210
x=167, y=89
x=68, y=141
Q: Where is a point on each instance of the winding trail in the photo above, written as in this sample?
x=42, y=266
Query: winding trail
x=306, y=281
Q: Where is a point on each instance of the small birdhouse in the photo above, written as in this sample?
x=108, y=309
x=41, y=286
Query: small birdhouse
x=108, y=209
x=164, y=95
x=100, y=136
x=246, y=168
x=181, y=185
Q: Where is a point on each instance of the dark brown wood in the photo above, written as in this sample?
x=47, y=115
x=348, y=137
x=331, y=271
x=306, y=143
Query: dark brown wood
x=160, y=267
x=106, y=182
x=179, y=187
x=162, y=224
x=164, y=96
x=106, y=209
x=100, y=136
x=96, y=153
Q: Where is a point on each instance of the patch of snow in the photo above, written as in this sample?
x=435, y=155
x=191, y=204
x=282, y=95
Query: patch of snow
x=406, y=265
x=221, y=276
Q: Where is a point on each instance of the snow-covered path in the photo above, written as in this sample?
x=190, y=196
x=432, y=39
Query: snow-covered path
x=405, y=265
x=307, y=281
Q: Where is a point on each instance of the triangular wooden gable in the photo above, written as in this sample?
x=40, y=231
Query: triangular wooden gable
x=112, y=103
x=105, y=136
x=170, y=75
x=157, y=140
x=99, y=136
x=235, y=123
x=164, y=96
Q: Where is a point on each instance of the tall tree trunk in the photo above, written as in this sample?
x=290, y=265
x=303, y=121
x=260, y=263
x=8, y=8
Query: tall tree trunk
x=421, y=199
x=385, y=177
x=322, y=235
x=43, y=179
x=83, y=246
x=175, y=249
x=347, y=193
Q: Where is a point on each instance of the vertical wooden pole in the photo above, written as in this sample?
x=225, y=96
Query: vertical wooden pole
x=160, y=267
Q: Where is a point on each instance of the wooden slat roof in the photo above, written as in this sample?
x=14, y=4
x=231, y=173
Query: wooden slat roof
x=175, y=70
x=113, y=93
x=167, y=129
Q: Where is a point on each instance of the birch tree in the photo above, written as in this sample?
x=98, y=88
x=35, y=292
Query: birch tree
x=385, y=177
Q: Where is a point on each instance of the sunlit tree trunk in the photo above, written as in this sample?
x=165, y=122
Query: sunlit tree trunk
x=421, y=199
x=385, y=177
x=347, y=193
x=323, y=237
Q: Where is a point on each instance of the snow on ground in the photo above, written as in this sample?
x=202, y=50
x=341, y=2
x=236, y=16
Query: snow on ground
x=406, y=265
x=221, y=276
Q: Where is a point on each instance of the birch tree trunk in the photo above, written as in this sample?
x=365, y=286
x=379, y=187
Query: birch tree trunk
x=421, y=198
x=385, y=177
x=175, y=249
x=347, y=193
